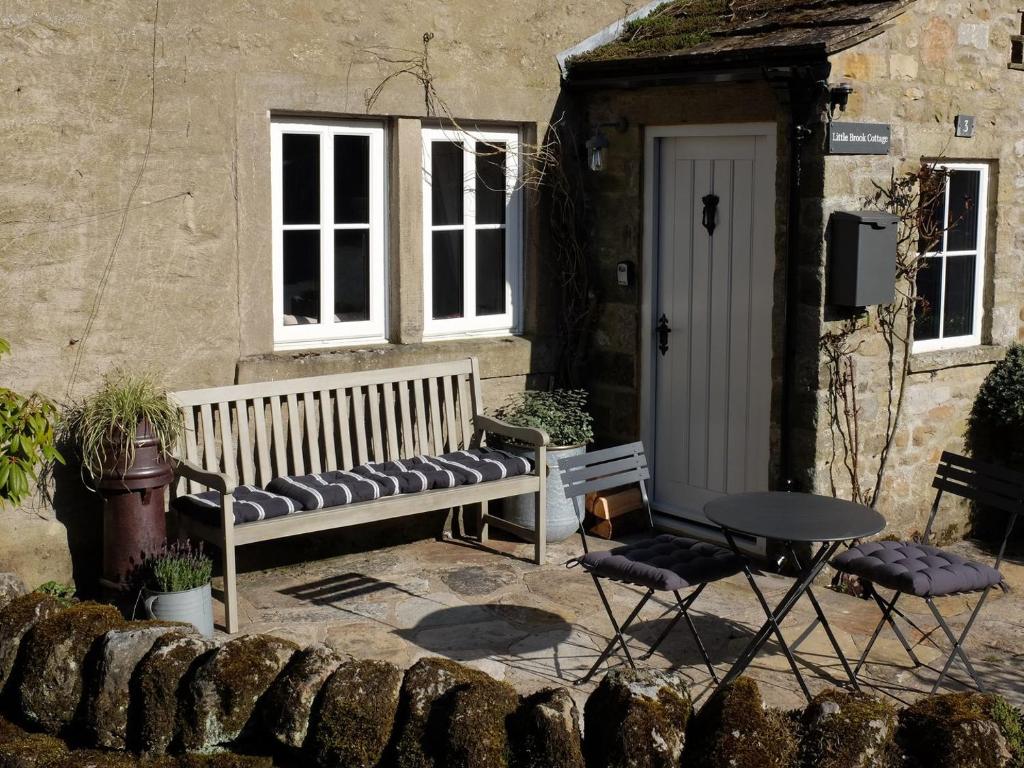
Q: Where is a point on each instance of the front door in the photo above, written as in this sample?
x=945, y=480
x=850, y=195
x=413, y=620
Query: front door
x=714, y=248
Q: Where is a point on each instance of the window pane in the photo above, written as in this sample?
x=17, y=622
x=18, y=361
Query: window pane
x=446, y=182
x=351, y=275
x=933, y=204
x=301, y=276
x=300, y=156
x=490, y=183
x=351, y=179
x=963, y=211
x=929, y=291
x=958, y=313
x=447, y=274
x=490, y=272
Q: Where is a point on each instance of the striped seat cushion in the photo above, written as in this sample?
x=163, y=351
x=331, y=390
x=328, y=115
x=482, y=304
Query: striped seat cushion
x=251, y=504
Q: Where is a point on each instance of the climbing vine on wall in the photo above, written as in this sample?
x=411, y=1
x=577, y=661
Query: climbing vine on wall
x=912, y=198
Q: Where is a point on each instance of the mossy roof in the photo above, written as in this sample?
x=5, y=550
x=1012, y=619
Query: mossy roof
x=687, y=32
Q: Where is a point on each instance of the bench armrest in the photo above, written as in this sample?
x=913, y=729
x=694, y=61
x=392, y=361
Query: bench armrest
x=213, y=480
x=526, y=435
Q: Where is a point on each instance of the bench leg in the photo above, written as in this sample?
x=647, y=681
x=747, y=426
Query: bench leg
x=230, y=590
x=482, y=526
x=540, y=529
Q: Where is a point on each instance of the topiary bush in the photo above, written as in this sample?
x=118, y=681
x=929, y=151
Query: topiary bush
x=995, y=432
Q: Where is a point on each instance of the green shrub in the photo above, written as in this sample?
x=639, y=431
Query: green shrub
x=59, y=591
x=175, y=568
x=1000, y=400
x=105, y=425
x=26, y=440
x=1011, y=722
x=562, y=414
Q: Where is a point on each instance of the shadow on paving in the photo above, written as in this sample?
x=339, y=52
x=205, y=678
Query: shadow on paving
x=336, y=589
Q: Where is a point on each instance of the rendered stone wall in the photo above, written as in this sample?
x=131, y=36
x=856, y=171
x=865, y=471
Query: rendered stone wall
x=938, y=60
x=151, y=155
x=156, y=695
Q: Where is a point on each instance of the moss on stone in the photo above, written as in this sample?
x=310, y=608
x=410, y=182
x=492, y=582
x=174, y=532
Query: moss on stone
x=734, y=729
x=636, y=718
x=153, y=718
x=954, y=729
x=478, y=716
x=223, y=692
x=1011, y=722
x=225, y=760
x=55, y=651
x=93, y=758
x=31, y=750
x=849, y=730
x=547, y=731
x=354, y=714
x=10, y=731
x=673, y=26
x=421, y=701
x=16, y=619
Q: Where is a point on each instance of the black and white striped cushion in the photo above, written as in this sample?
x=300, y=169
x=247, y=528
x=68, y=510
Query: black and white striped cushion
x=483, y=465
x=251, y=504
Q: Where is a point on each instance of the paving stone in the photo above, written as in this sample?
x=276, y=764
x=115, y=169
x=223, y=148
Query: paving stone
x=477, y=580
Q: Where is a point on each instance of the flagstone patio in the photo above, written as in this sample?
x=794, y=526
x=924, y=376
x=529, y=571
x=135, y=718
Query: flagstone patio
x=541, y=626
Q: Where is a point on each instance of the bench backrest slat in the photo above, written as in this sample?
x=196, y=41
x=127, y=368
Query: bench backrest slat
x=256, y=432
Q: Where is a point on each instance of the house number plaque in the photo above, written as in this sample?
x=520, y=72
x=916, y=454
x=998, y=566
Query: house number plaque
x=859, y=138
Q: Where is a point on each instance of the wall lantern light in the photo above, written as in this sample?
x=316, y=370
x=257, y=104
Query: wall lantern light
x=597, y=145
x=839, y=96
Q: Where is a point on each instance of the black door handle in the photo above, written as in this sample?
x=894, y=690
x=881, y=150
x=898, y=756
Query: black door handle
x=663, y=332
x=710, y=209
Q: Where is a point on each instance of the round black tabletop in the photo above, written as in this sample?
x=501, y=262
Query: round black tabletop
x=799, y=517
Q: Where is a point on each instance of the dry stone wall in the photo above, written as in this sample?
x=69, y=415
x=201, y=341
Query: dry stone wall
x=190, y=703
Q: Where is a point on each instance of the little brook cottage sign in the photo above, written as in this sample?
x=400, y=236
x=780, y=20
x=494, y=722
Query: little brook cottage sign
x=859, y=138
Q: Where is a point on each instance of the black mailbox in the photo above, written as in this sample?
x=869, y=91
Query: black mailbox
x=862, y=258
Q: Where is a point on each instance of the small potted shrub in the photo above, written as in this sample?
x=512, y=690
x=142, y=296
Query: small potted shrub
x=176, y=585
x=563, y=415
x=995, y=432
x=122, y=434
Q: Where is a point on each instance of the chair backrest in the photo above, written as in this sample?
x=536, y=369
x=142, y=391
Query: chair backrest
x=256, y=432
x=601, y=470
x=988, y=485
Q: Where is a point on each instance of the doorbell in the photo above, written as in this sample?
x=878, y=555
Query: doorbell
x=624, y=273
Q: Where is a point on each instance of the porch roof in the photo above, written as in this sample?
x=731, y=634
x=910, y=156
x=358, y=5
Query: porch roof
x=683, y=36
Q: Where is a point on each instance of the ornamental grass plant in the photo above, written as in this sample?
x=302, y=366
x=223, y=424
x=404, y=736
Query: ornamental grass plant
x=561, y=413
x=105, y=426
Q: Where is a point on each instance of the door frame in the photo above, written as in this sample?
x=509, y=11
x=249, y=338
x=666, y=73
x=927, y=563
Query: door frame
x=649, y=273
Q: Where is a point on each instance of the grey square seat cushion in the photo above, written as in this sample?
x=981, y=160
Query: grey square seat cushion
x=664, y=563
x=916, y=569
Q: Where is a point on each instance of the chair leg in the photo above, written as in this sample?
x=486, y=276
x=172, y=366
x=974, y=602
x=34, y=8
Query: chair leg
x=617, y=638
x=958, y=643
x=483, y=527
x=832, y=638
x=696, y=635
x=681, y=606
x=886, y=610
x=891, y=618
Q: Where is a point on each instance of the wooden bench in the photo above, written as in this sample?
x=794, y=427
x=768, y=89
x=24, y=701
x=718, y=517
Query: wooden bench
x=251, y=433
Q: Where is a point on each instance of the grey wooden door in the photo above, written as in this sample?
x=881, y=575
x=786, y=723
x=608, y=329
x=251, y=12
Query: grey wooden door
x=714, y=291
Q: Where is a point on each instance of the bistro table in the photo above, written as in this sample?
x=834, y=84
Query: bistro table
x=791, y=519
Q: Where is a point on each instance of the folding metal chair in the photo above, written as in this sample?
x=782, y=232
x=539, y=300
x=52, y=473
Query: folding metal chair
x=663, y=563
x=927, y=572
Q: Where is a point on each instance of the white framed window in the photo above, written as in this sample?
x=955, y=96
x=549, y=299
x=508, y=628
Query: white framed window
x=950, y=285
x=472, y=233
x=328, y=214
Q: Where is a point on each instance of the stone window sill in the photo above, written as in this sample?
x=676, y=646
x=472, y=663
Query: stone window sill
x=940, y=360
x=499, y=356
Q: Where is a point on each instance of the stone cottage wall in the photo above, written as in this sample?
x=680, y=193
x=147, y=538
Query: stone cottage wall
x=136, y=137
x=938, y=60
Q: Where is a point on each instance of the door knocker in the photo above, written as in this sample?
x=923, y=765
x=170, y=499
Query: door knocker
x=710, y=213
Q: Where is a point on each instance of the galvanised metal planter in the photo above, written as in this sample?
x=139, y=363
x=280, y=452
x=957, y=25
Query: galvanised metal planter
x=562, y=521
x=193, y=606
